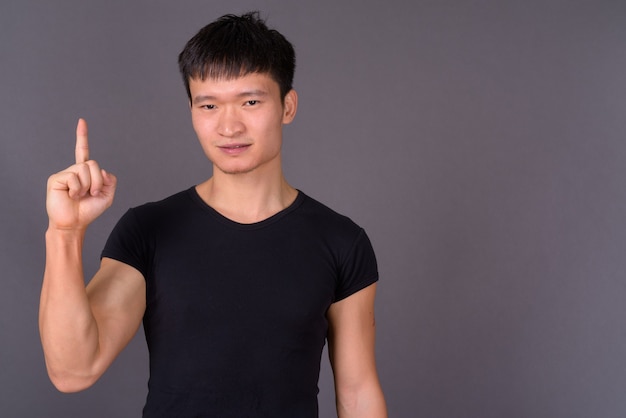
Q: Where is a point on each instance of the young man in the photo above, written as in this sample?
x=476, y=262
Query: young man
x=239, y=280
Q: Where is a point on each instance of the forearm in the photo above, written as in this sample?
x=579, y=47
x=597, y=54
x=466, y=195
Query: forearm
x=68, y=330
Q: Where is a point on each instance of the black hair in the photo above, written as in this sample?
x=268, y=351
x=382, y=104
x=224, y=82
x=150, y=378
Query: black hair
x=233, y=46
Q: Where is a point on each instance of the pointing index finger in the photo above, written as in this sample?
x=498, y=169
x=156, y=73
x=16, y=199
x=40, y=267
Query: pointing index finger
x=82, y=145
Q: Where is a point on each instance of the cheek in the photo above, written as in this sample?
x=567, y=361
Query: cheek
x=272, y=127
x=200, y=126
x=194, y=122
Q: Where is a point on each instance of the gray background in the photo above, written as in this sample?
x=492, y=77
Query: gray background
x=480, y=143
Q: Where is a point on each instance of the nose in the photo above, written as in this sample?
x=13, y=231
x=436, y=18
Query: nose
x=230, y=124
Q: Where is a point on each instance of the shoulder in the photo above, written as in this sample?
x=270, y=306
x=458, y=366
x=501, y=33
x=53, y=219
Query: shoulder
x=152, y=216
x=325, y=217
x=182, y=198
x=332, y=228
x=347, y=243
x=175, y=203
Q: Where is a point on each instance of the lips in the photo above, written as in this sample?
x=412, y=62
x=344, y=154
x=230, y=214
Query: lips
x=234, y=149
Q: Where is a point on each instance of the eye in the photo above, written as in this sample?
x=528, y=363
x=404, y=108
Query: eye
x=208, y=107
x=252, y=102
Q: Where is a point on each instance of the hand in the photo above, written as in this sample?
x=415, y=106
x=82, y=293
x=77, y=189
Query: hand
x=82, y=192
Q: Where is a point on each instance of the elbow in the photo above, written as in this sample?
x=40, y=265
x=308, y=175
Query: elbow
x=67, y=382
x=361, y=400
x=69, y=386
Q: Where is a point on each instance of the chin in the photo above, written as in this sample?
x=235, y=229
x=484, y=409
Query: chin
x=235, y=170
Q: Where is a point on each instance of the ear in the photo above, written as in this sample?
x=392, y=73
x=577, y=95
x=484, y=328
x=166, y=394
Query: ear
x=290, y=106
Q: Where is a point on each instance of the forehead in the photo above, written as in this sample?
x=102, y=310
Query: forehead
x=258, y=83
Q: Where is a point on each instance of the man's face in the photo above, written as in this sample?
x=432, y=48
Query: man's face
x=239, y=121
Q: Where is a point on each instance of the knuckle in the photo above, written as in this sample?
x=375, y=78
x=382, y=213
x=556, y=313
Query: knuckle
x=93, y=165
x=83, y=168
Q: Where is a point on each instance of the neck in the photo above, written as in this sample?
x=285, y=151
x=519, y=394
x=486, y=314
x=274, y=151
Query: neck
x=247, y=197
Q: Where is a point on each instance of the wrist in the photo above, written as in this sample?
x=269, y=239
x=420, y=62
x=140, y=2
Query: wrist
x=67, y=235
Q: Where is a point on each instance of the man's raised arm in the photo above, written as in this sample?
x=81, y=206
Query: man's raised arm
x=82, y=330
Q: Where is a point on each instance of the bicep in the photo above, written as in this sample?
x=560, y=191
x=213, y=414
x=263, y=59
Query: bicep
x=117, y=298
x=351, y=338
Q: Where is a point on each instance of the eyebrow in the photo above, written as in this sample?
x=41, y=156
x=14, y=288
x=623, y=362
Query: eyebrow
x=247, y=93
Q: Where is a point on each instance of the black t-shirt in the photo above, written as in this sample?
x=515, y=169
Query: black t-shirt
x=235, y=320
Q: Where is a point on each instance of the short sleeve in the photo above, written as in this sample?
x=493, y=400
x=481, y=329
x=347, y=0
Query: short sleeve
x=358, y=270
x=128, y=244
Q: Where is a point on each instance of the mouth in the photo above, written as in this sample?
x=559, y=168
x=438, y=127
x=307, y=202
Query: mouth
x=234, y=148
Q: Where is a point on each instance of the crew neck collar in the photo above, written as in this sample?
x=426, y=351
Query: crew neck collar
x=300, y=197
